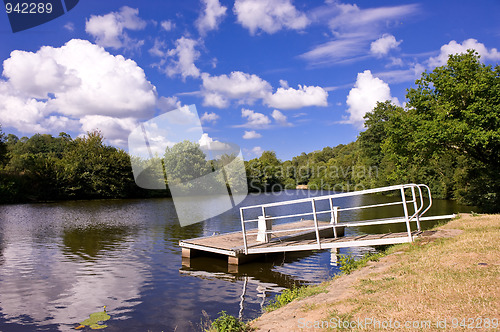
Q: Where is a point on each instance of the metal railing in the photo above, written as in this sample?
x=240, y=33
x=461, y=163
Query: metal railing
x=417, y=200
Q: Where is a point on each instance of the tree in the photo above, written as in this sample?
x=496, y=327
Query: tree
x=454, y=111
x=3, y=148
x=184, y=162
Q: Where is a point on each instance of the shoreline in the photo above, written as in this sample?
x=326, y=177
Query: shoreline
x=450, y=274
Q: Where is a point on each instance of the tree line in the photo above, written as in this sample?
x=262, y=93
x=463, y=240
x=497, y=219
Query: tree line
x=447, y=135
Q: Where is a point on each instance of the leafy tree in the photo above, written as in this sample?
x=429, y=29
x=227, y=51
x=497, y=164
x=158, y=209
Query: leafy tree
x=184, y=163
x=3, y=148
x=454, y=111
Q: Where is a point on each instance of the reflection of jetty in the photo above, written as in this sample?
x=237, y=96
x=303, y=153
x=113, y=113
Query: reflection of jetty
x=279, y=231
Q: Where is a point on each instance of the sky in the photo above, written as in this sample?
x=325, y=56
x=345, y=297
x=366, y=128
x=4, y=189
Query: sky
x=281, y=75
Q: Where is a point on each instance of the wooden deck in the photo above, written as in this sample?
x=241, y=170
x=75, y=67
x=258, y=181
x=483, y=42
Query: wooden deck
x=231, y=244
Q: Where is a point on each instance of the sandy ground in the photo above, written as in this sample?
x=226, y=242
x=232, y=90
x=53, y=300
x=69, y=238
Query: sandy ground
x=315, y=308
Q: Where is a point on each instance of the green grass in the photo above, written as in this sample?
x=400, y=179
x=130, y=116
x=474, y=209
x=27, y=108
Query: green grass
x=227, y=323
x=348, y=264
x=288, y=295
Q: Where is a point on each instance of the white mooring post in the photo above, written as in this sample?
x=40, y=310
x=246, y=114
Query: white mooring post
x=265, y=225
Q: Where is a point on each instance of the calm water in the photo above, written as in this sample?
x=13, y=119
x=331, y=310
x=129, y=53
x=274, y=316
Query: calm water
x=60, y=262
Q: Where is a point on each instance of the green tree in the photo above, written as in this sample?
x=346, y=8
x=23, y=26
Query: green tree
x=184, y=162
x=454, y=111
x=93, y=169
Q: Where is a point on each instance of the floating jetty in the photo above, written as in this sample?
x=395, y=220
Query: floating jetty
x=271, y=228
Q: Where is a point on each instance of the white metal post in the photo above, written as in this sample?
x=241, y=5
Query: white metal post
x=415, y=206
x=243, y=231
x=315, y=217
x=333, y=217
x=405, y=208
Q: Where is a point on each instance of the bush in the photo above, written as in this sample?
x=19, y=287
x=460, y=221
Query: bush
x=227, y=323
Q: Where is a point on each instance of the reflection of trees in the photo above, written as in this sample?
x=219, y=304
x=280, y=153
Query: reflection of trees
x=173, y=232
x=88, y=242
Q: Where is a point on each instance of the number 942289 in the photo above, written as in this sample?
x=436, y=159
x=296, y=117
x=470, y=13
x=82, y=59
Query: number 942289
x=29, y=8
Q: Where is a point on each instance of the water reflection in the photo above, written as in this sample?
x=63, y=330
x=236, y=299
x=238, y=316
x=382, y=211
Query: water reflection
x=60, y=262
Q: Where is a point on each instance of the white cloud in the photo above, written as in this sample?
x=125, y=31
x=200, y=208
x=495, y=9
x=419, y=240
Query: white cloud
x=254, y=119
x=304, y=96
x=211, y=16
x=53, y=88
x=280, y=118
x=269, y=15
x=215, y=99
x=353, y=29
x=167, y=104
x=365, y=94
x=252, y=134
x=209, y=117
x=453, y=47
x=70, y=26
x=108, y=30
x=167, y=25
x=115, y=130
x=246, y=88
x=402, y=75
x=241, y=86
x=207, y=143
x=186, y=55
x=257, y=151
x=384, y=44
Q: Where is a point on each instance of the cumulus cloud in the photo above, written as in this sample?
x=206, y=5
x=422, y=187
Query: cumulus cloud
x=363, y=97
x=186, y=54
x=215, y=99
x=109, y=30
x=62, y=88
x=210, y=18
x=269, y=15
x=304, y=96
x=453, y=47
x=254, y=119
x=256, y=151
x=209, y=117
x=384, y=44
x=218, y=91
x=208, y=143
x=167, y=104
x=246, y=88
x=280, y=118
x=252, y=134
x=112, y=128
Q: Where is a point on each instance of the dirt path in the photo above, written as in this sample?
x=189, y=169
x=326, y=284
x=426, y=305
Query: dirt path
x=295, y=316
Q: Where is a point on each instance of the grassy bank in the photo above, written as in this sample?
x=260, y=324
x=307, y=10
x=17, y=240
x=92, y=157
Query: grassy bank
x=450, y=277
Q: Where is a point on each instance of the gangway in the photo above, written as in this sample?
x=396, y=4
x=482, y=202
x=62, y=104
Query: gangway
x=280, y=231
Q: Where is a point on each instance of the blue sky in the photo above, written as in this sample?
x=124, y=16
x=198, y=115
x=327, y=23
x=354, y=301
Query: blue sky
x=282, y=75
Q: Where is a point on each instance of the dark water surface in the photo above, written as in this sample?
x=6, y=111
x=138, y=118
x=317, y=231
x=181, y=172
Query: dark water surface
x=60, y=262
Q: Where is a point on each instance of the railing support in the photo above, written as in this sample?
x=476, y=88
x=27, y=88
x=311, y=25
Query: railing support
x=405, y=209
x=415, y=207
x=245, y=245
x=315, y=218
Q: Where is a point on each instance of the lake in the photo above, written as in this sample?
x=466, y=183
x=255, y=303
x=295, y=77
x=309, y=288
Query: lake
x=60, y=262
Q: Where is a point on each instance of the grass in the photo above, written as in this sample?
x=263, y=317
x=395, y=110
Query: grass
x=225, y=323
x=348, y=265
x=288, y=295
x=449, y=278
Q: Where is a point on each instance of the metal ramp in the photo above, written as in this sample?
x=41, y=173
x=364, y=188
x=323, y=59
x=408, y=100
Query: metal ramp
x=278, y=230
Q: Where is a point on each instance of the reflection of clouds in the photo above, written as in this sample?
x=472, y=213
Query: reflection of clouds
x=41, y=283
x=44, y=281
